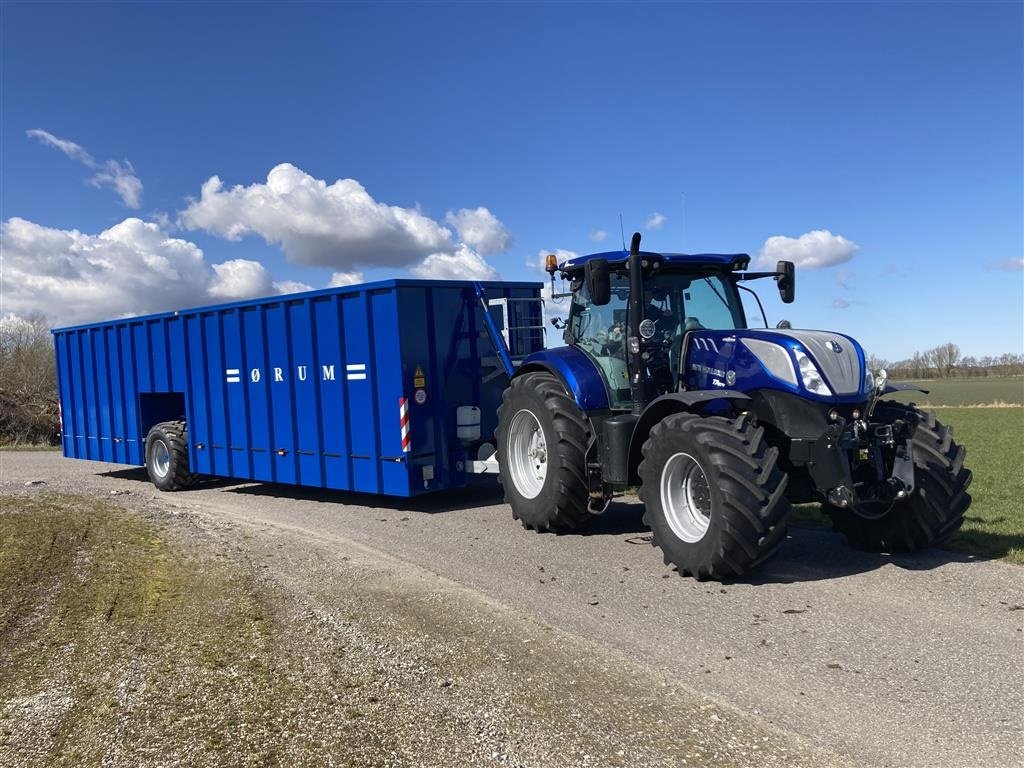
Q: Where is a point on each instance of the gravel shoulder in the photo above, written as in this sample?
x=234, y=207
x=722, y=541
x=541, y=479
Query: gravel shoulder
x=139, y=632
x=890, y=661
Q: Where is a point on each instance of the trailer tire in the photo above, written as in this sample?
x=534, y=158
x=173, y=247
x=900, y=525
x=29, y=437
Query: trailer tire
x=167, y=456
x=537, y=416
x=935, y=509
x=713, y=493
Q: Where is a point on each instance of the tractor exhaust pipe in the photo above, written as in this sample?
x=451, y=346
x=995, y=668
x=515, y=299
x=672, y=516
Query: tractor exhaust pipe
x=637, y=383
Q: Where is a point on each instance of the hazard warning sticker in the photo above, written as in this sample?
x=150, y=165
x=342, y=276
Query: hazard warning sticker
x=418, y=379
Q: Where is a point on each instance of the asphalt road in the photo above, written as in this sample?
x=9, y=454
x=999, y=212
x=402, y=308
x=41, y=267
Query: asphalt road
x=893, y=661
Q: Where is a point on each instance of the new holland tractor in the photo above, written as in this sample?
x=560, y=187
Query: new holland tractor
x=663, y=386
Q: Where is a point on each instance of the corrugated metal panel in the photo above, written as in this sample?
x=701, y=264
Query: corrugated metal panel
x=302, y=389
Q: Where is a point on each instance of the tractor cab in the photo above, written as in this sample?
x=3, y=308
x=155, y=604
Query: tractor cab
x=681, y=294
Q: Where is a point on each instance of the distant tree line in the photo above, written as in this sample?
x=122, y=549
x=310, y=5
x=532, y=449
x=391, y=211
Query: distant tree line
x=946, y=362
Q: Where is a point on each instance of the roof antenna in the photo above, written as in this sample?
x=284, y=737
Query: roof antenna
x=623, y=231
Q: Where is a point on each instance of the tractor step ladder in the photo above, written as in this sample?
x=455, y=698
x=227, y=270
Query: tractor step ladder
x=508, y=339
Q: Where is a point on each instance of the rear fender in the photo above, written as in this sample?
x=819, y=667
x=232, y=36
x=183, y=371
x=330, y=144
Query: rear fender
x=580, y=375
x=695, y=401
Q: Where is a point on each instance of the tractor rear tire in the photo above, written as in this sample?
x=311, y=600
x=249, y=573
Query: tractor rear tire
x=714, y=496
x=542, y=447
x=934, y=511
x=167, y=456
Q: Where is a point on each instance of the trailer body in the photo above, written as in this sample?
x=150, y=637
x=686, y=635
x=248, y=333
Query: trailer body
x=352, y=388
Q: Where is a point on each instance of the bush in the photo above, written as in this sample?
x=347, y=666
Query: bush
x=28, y=382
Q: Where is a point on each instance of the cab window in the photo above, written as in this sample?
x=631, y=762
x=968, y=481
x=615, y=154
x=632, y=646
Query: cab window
x=601, y=333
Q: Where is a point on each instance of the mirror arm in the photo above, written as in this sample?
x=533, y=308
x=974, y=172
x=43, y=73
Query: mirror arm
x=759, y=304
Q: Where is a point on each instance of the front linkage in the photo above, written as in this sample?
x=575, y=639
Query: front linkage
x=860, y=465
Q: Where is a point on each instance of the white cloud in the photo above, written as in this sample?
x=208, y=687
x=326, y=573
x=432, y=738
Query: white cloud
x=69, y=148
x=463, y=264
x=339, y=279
x=844, y=278
x=110, y=173
x=598, y=235
x=1010, y=265
x=239, y=279
x=315, y=223
x=656, y=220
x=340, y=225
x=122, y=179
x=134, y=267
x=840, y=304
x=292, y=286
x=480, y=229
x=812, y=250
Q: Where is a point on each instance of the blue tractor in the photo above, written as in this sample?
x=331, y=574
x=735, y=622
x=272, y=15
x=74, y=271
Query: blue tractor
x=662, y=385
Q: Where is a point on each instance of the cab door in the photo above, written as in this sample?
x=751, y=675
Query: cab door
x=600, y=332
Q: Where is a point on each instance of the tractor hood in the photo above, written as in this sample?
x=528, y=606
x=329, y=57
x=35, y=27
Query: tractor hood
x=839, y=357
x=821, y=364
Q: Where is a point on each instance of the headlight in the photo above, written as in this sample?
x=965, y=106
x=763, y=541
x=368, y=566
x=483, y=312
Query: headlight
x=774, y=358
x=813, y=380
x=869, y=380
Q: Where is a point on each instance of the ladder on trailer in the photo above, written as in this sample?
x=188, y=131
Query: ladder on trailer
x=511, y=324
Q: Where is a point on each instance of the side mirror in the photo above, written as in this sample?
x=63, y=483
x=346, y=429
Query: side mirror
x=598, y=281
x=786, y=279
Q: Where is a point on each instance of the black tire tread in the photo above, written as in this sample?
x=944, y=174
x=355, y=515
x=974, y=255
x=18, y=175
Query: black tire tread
x=745, y=469
x=180, y=477
x=569, y=511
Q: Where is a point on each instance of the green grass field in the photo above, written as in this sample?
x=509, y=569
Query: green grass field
x=995, y=454
x=955, y=392
x=994, y=438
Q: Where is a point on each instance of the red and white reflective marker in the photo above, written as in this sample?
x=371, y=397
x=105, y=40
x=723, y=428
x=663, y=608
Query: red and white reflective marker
x=403, y=410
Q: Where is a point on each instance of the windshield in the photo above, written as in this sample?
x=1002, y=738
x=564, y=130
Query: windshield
x=688, y=302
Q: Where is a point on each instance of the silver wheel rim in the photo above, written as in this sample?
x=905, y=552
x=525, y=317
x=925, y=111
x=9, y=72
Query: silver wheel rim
x=527, y=456
x=161, y=457
x=686, y=497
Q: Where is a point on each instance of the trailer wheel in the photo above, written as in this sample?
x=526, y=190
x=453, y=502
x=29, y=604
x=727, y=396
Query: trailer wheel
x=542, y=445
x=934, y=511
x=713, y=495
x=167, y=456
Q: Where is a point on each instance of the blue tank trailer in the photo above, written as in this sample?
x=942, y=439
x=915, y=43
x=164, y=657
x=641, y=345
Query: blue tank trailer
x=405, y=387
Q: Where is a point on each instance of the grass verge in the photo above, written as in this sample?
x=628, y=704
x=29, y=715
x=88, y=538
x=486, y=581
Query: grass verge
x=117, y=645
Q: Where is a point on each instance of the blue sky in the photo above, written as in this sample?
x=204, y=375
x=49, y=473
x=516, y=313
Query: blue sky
x=895, y=127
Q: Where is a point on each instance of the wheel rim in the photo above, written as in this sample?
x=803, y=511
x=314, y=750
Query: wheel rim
x=161, y=458
x=527, y=458
x=686, y=497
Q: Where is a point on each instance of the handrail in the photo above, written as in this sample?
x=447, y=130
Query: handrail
x=496, y=338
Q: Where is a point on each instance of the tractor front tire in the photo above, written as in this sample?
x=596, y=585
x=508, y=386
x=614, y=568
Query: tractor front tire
x=542, y=446
x=713, y=494
x=167, y=456
x=934, y=511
